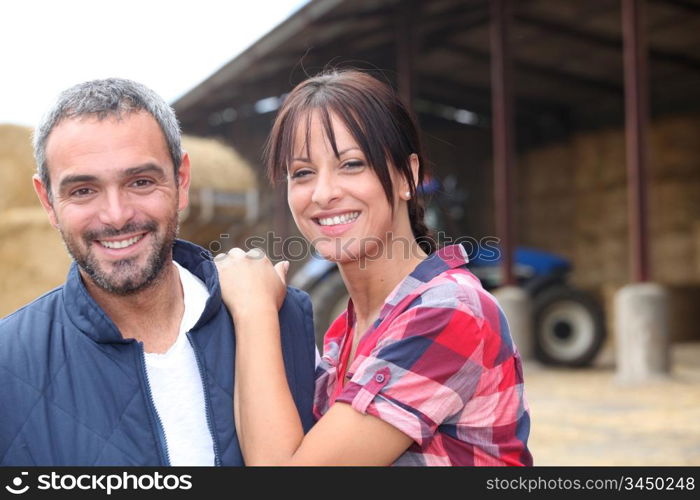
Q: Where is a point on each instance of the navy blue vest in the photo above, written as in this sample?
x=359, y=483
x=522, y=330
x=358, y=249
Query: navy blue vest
x=73, y=391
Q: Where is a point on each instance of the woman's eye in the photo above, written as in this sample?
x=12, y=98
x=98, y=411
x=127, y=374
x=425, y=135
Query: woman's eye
x=354, y=164
x=298, y=174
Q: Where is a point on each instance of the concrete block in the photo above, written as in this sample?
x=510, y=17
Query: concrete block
x=642, y=333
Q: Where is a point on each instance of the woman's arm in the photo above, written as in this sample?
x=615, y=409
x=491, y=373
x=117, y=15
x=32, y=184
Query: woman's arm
x=268, y=424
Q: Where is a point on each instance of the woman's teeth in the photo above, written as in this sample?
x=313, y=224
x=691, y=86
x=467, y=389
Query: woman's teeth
x=339, y=219
x=122, y=243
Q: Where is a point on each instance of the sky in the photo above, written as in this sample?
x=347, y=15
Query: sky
x=170, y=46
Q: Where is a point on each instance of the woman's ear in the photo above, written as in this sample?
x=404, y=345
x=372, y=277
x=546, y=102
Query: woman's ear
x=415, y=167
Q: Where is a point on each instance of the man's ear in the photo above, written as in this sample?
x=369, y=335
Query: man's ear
x=183, y=182
x=43, y=195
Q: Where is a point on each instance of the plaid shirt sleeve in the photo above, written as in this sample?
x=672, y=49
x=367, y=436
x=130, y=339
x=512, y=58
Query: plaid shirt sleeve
x=440, y=361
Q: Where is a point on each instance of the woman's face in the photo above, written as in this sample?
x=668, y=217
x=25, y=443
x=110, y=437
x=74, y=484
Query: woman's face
x=338, y=203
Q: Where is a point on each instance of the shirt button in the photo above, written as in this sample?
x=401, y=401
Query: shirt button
x=379, y=377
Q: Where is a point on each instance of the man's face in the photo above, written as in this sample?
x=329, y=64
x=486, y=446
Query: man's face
x=115, y=198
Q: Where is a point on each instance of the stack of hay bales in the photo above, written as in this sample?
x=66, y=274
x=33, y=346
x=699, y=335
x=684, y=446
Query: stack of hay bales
x=595, y=185
x=595, y=182
x=675, y=199
x=218, y=172
x=544, y=179
x=33, y=259
x=696, y=246
x=16, y=168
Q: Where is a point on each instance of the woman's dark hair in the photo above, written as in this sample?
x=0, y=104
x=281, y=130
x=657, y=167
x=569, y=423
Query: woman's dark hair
x=375, y=117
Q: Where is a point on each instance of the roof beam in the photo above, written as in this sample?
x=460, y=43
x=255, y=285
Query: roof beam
x=541, y=69
x=478, y=99
x=686, y=5
x=609, y=42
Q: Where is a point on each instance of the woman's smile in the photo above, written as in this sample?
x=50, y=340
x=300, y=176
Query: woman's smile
x=334, y=220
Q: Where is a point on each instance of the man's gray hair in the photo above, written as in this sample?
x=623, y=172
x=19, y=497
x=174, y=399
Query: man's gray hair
x=112, y=97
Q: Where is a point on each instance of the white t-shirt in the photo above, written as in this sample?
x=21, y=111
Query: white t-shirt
x=176, y=385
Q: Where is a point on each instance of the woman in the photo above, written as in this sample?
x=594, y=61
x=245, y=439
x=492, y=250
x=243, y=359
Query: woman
x=420, y=369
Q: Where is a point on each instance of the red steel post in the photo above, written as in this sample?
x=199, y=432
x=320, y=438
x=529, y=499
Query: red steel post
x=502, y=130
x=636, y=126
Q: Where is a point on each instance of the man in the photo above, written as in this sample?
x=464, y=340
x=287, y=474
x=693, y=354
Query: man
x=131, y=360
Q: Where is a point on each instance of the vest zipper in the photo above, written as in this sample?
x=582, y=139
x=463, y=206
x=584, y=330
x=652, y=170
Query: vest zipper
x=163, y=440
x=207, y=404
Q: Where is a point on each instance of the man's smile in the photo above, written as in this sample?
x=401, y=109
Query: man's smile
x=118, y=244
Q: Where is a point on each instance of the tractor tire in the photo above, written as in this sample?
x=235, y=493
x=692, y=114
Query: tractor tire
x=569, y=326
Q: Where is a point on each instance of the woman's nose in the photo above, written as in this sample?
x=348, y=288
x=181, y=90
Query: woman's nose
x=326, y=190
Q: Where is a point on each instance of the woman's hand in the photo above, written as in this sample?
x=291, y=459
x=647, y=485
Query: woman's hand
x=250, y=284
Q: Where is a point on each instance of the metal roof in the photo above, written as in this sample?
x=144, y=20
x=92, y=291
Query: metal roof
x=567, y=57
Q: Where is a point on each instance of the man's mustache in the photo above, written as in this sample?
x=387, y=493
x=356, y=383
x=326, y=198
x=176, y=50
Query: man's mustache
x=110, y=232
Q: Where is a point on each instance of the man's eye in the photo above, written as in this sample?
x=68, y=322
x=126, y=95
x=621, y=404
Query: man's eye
x=81, y=192
x=142, y=183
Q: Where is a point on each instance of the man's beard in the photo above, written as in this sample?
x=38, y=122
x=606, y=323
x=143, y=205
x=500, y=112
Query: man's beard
x=126, y=277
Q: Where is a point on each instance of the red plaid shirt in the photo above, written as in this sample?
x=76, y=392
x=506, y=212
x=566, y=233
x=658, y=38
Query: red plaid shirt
x=439, y=364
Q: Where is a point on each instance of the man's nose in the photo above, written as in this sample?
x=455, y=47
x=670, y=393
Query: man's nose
x=116, y=210
x=327, y=189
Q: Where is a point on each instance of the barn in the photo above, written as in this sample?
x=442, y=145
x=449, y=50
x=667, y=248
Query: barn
x=567, y=127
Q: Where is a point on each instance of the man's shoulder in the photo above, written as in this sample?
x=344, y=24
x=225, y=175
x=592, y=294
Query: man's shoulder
x=26, y=329
x=299, y=300
x=37, y=310
x=297, y=311
x=298, y=296
x=27, y=333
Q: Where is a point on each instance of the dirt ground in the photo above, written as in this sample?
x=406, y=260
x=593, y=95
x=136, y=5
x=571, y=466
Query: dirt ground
x=583, y=417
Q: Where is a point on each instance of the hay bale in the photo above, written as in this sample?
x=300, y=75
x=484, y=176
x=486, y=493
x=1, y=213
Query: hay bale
x=588, y=160
x=696, y=249
x=674, y=204
x=217, y=166
x=218, y=171
x=614, y=210
x=675, y=148
x=684, y=314
x=588, y=268
x=612, y=158
x=33, y=259
x=547, y=171
x=672, y=255
x=589, y=217
x=613, y=252
x=16, y=167
x=548, y=222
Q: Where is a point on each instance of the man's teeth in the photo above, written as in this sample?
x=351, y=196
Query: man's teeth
x=121, y=244
x=339, y=219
